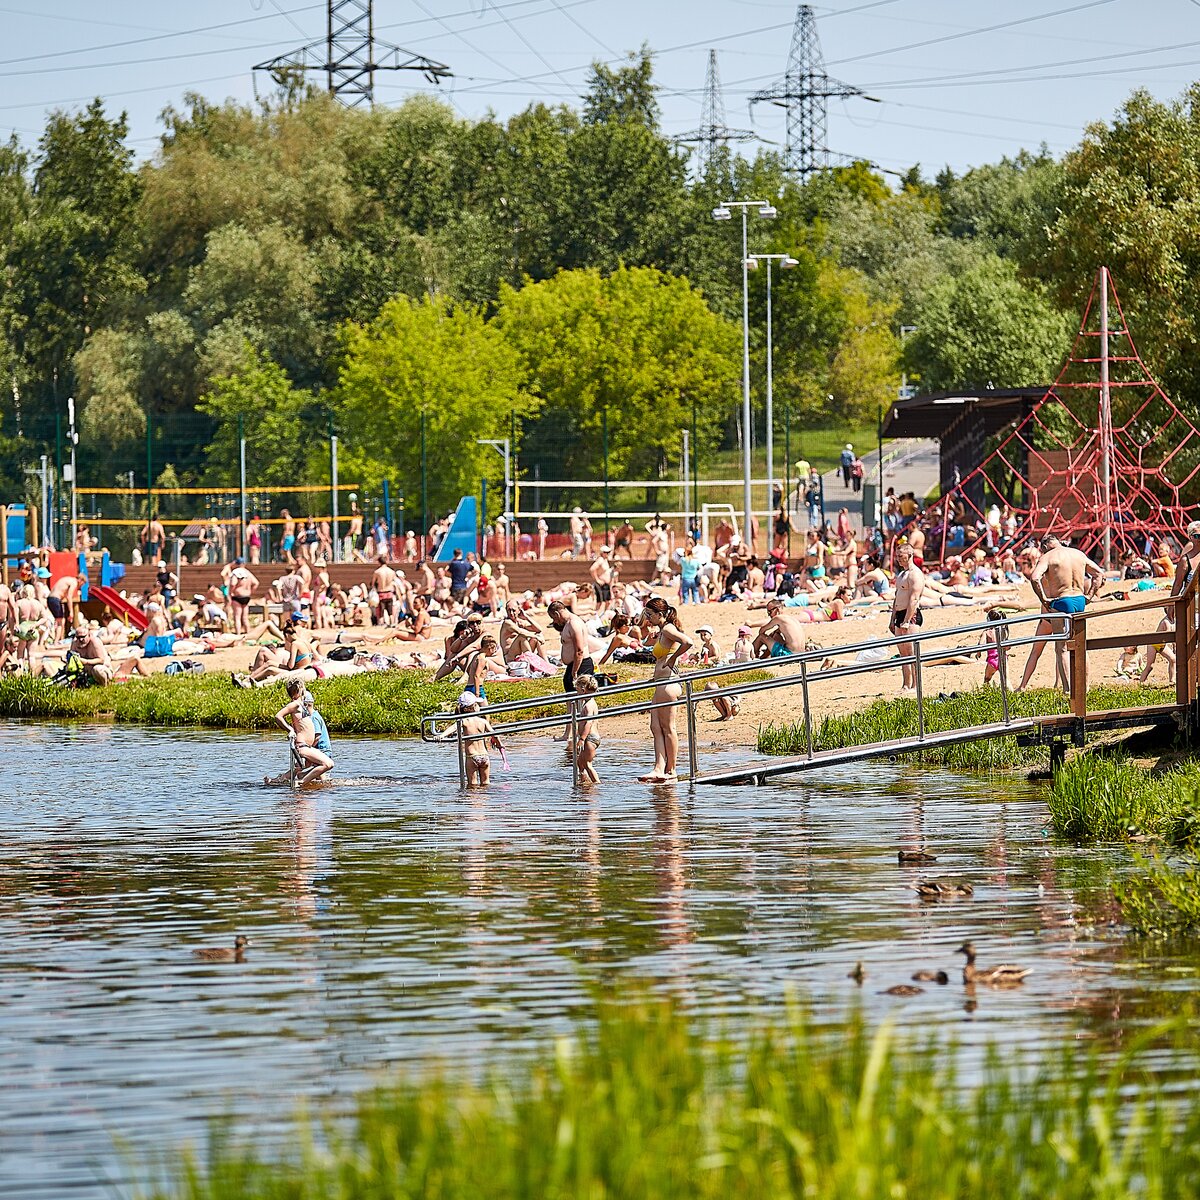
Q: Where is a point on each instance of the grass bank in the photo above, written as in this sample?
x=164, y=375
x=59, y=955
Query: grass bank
x=391, y=702
x=387, y=702
x=885, y=720
x=1096, y=799
x=1113, y=799
x=640, y=1104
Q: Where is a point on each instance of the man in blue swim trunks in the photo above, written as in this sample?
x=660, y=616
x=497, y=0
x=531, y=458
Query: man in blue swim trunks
x=1064, y=580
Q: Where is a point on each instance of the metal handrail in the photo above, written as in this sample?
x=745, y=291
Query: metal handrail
x=787, y=663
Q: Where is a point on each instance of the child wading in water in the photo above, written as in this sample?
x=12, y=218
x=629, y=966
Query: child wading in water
x=308, y=736
x=478, y=735
x=588, y=740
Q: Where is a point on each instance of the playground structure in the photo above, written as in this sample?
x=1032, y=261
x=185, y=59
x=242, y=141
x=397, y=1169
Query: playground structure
x=794, y=676
x=1104, y=458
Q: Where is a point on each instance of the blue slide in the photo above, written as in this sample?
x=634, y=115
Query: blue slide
x=464, y=532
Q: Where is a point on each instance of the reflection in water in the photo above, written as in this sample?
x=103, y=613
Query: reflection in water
x=395, y=920
x=669, y=868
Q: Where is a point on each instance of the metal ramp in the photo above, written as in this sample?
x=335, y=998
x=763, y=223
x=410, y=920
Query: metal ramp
x=798, y=673
x=757, y=772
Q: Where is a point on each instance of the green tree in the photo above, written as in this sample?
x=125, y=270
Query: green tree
x=425, y=359
x=987, y=328
x=640, y=344
x=275, y=416
x=68, y=262
x=1131, y=201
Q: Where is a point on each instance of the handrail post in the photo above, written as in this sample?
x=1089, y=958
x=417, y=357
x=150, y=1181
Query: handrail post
x=1002, y=660
x=462, y=754
x=1077, y=665
x=691, y=729
x=1186, y=646
x=808, y=725
x=916, y=648
x=573, y=744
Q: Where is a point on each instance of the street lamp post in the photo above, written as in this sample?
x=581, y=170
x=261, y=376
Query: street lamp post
x=786, y=263
x=74, y=479
x=722, y=213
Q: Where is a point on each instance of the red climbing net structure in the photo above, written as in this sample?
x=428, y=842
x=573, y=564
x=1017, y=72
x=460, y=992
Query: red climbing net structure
x=1105, y=457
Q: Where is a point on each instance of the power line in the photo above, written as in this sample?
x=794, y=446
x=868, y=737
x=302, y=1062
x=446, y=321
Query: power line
x=157, y=37
x=953, y=37
x=1066, y=62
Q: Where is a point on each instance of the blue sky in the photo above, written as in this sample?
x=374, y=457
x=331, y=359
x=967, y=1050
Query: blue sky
x=954, y=88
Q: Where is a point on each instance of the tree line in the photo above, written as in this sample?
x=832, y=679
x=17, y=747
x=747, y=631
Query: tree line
x=411, y=278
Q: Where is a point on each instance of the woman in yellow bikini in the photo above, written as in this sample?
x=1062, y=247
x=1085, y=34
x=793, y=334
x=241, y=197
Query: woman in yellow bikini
x=670, y=644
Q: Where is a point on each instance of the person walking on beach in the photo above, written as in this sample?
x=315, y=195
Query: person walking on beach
x=241, y=588
x=906, y=616
x=287, y=540
x=1064, y=580
x=601, y=572
x=383, y=581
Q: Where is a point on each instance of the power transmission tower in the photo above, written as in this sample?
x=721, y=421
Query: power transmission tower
x=804, y=92
x=350, y=56
x=713, y=131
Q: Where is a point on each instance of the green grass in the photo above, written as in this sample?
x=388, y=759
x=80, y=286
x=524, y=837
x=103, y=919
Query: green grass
x=1164, y=900
x=1111, y=799
x=885, y=720
x=639, y=1103
x=391, y=702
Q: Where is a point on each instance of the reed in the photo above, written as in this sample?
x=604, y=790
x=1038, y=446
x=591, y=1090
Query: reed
x=638, y=1102
x=1112, y=799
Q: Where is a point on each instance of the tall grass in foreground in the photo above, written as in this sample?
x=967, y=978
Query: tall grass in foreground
x=1111, y=799
x=641, y=1104
x=887, y=720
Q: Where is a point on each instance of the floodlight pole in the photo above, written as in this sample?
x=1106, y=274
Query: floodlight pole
x=722, y=213
x=786, y=263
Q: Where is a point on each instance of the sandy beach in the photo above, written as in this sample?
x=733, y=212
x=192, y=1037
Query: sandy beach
x=839, y=695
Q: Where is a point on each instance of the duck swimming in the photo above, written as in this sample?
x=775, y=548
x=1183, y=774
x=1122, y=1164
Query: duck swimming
x=941, y=889
x=234, y=953
x=909, y=857
x=1005, y=975
x=903, y=989
x=931, y=977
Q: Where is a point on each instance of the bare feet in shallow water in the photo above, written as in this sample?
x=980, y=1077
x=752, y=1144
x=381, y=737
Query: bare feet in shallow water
x=653, y=778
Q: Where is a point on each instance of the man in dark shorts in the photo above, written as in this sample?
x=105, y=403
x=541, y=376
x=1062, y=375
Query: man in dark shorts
x=241, y=588
x=573, y=655
x=601, y=572
x=906, y=616
x=624, y=540
x=460, y=573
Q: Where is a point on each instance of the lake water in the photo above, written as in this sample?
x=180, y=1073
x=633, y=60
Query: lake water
x=395, y=922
